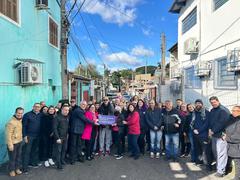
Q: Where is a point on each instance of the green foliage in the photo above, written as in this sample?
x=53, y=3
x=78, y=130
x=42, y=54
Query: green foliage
x=150, y=70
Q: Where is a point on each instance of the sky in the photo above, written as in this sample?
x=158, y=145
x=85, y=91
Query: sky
x=119, y=33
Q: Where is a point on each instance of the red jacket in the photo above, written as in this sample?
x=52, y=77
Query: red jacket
x=133, y=123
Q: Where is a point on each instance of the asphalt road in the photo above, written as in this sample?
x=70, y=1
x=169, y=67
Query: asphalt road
x=107, y=168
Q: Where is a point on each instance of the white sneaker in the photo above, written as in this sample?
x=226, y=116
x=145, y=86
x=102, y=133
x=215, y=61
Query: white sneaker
x=46, y=164
x=158, y=155
x=51, y=162
x=152, y=155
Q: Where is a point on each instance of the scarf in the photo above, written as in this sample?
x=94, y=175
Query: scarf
x=203, y=116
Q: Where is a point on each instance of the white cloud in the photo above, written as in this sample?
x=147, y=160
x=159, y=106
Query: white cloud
x=115, y=11
x=103, y=45
x=140, y=50
x=122, y=58
x=146, y=32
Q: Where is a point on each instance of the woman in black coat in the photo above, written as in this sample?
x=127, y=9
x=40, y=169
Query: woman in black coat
x=47, y=136
x=232, y=136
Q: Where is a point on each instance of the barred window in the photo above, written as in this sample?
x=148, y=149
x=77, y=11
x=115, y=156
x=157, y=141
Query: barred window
x=9, y=8
x=189, y=21
x=218, y=3
x=224, y=78
x=192, y=81
x=53, y=32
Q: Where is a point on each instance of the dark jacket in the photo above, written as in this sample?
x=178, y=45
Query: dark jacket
x=218, y=119
x=78, y=121
x=46, y=124
x=154, y=118
x=201, y=124
x=119, y=121
x=31, y=124
x=106, y=109
x=60, y=126
x=187, y=124
x=233, y=136
x=143, y=123
x=169, y=119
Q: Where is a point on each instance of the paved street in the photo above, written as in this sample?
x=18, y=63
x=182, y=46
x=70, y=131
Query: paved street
x=107, y=168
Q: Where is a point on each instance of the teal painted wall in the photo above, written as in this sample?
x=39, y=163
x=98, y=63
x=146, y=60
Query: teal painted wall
x=28, y=39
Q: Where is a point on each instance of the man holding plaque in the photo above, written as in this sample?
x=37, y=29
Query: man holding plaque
x=105, y=121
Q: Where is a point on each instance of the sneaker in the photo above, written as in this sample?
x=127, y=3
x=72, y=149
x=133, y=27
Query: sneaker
x=136, y=157
x=219, y=175
x=119, y=157
x=25, y=171
x=158, y=155
x=12, y=174
x=51, y=162
x=46, y=164
x=152, y=155
x=39, y=164
x=18, y=172
x=100, y=153
x=115, y=155
x=108, y=153
x=60, y=168
x=182, y=156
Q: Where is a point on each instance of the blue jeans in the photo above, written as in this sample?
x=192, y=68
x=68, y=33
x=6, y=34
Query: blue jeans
x=156, y=137
x=133, y=145
x=193, y=151
x=172, y=145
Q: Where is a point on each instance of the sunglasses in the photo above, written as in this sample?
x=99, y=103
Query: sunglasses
x=105, y=100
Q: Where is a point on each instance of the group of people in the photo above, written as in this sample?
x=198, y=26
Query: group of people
x=69, y=133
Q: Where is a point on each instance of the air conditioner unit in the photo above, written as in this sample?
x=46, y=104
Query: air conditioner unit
x=175, y=72
x=233, y=60
x=175, y=87
x=202, y=69
x=41, y=4
x=191, y=46
x=30, y=73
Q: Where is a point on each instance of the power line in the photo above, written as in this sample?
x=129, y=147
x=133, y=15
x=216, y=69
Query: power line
x=78, y=11
x=89, y=35
x=74, y=4
x=81, y=52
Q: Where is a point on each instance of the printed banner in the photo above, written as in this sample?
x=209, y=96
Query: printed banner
x=106, y=119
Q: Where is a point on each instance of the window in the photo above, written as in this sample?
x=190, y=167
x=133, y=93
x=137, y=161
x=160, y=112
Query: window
x=223, y=77
x=218, y=3
x=9, y=8
x=53, y=32
x=192, y=81
x=189, y=21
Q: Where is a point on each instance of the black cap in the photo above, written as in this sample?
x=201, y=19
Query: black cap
x=199, y=101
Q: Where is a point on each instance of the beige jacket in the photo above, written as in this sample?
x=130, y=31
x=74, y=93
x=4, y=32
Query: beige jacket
x=13, y=132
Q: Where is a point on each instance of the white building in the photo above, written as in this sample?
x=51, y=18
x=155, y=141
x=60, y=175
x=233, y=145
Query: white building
x=208, y=43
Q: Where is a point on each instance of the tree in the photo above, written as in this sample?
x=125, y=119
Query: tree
x=150, y=70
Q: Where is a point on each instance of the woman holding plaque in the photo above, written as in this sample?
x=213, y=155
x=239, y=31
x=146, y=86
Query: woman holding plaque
x=88, y=131
x=133, y=123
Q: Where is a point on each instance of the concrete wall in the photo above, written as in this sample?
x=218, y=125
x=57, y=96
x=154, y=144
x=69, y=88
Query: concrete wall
x=27, y=40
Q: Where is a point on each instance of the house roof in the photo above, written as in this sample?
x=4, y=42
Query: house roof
x=177, y=6
x=173, y=48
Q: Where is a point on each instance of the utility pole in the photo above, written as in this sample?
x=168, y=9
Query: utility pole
x=64, y=43
x=104, y=80
x=163, y=61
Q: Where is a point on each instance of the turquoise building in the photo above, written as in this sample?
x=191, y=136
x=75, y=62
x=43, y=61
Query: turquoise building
x=30, y=69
